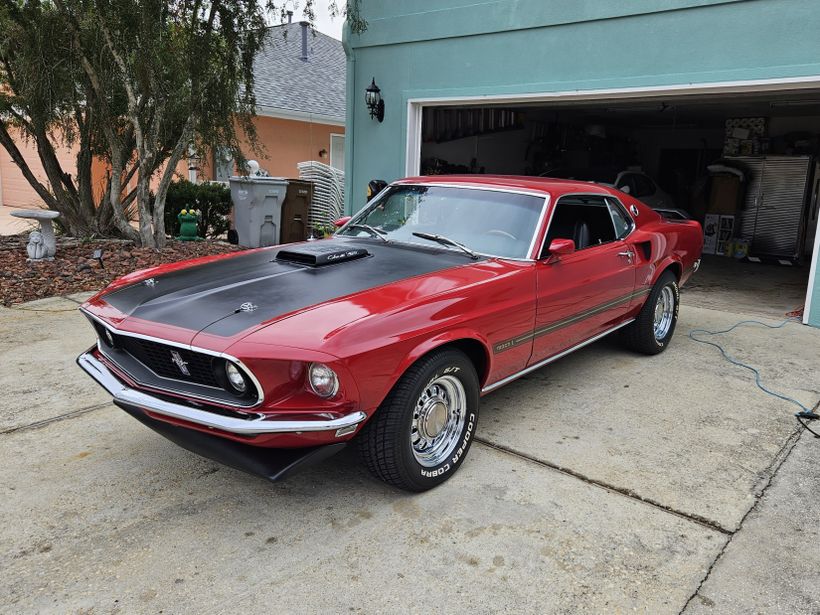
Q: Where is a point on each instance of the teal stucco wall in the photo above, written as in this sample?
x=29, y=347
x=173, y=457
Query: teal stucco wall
x=454, y=48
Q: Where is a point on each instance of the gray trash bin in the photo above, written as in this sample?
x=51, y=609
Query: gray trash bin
x=257, y=203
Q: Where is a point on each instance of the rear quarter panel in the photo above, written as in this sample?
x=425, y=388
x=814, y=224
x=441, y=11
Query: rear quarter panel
x=672, y=244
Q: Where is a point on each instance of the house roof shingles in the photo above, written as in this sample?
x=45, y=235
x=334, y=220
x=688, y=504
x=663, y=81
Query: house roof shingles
x=285, y=82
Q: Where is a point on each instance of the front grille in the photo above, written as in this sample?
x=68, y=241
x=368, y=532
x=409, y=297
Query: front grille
x=159, y=358
x=160, y=365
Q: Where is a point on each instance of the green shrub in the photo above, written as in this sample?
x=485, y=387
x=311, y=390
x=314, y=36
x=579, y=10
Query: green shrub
x=212, y=199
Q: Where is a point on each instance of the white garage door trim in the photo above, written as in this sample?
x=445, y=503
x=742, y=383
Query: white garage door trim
x=812, y=277
x=785, y=85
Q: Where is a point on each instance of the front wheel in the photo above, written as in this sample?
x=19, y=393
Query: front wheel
x=422, y=431
x=652, y=330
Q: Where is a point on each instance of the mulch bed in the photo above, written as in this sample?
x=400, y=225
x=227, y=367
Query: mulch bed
x=73, y=269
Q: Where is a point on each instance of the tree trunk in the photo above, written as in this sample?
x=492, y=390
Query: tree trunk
x=165, y=182
x=115, y=193
x=144, y=205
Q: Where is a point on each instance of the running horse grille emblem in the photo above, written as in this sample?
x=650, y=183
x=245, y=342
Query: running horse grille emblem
x=181, y=363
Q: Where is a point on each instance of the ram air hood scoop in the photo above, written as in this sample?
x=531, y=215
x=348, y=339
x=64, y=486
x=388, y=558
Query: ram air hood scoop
x=232, y=295
x=319, y=254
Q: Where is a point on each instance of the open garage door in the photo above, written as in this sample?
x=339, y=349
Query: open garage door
x=744, y=165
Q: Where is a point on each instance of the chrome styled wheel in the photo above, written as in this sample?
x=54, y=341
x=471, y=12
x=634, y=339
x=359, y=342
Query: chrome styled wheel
x=422, y=431
x=654, y=325
x=664, y=312
x=438, y=420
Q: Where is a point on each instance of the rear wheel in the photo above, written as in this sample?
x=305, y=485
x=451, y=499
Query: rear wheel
x=421, y=433
x=652, y=330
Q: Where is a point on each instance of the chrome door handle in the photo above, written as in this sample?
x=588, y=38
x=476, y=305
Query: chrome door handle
x=628, y=255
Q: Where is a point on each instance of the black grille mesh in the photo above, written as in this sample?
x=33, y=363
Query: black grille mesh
x=159, y=359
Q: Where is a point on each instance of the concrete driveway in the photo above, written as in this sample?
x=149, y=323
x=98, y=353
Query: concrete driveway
x=606, y=482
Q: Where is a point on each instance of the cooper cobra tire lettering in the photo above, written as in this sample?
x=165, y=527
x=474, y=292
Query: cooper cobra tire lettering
x=467, y=435
x=435, y=473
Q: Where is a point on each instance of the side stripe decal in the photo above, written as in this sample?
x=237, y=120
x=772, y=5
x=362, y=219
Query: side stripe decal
x=571, y=320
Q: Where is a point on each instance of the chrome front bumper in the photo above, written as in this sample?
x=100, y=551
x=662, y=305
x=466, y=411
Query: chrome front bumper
x=251, y=426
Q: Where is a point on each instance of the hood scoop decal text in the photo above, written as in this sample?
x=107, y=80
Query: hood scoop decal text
x=317, y=255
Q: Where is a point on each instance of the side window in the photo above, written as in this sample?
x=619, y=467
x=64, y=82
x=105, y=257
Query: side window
x=643, y=186
x=621, y=222
x=584, y=219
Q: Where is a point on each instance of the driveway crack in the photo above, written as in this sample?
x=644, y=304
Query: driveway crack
x=628, y=493
x=779, y=459
x=54, y=419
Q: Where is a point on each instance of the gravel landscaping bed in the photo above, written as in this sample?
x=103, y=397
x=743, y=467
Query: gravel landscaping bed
x=74, y=269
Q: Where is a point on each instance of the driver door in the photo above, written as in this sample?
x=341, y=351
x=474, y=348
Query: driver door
x=587, y=292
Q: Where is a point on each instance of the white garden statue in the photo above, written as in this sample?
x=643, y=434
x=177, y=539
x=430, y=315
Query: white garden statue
x=41, y=244
x=36, y=247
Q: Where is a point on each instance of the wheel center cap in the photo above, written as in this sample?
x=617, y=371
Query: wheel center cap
x=434, y=419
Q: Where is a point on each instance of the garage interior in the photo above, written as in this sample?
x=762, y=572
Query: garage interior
x=745, y=166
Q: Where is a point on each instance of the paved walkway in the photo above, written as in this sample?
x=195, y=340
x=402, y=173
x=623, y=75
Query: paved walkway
x=606, y=482
x=9, y=225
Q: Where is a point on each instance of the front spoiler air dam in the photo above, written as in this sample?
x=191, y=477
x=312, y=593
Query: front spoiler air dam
x=124, y=395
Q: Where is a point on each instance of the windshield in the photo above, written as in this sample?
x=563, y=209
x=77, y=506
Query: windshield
x=485, y=221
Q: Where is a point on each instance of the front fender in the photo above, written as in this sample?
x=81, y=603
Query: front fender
x=443, y=339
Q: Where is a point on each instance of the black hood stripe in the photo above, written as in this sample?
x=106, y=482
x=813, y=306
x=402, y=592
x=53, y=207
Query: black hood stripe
x=208, y=297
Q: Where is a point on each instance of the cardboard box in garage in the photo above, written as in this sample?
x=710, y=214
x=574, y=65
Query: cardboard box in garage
x=725, y=194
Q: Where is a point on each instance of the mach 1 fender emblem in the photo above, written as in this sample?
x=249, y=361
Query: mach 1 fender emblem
x=181, y=363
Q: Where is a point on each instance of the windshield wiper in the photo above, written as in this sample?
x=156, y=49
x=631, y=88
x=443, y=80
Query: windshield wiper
x=373, y=231
x=447, y=242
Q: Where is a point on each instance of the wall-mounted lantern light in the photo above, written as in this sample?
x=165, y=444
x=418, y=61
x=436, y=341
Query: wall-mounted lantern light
x=373, y=98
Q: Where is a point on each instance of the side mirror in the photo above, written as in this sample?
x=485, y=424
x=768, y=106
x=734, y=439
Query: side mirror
x=625, y=189
x=560, y=247
x=341, y=221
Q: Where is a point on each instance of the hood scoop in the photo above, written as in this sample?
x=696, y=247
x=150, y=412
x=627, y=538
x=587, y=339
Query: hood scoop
x=317, y=255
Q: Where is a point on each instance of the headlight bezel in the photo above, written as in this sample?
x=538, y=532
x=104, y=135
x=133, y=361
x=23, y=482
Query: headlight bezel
x=316, y=373
x=232, y=373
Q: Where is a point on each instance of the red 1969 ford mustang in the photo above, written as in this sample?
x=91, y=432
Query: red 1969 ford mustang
x=440, y=290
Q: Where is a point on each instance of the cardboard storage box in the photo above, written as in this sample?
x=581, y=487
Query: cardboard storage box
x=725, y=194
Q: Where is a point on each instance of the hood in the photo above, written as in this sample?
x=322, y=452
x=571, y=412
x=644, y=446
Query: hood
x=230, y=296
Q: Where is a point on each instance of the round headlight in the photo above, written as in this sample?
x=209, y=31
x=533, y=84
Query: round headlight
x=109, y=338
x=235, y=377
x=323, y=380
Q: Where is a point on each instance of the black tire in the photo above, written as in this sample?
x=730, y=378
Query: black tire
x=385, y=443
x=640, y=335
